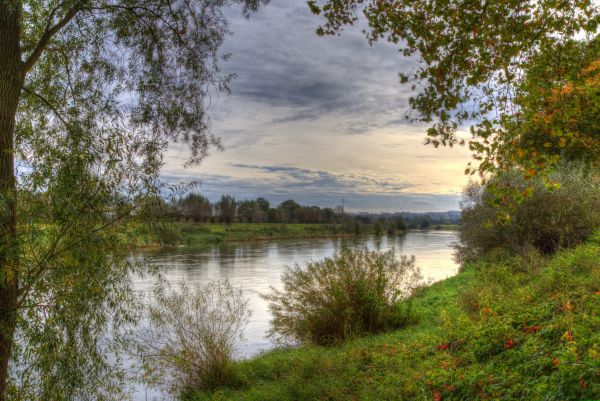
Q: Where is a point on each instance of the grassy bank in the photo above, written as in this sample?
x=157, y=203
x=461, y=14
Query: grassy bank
x=192, y=234
x=195, y=234
x=446, y=227
x=504, y=328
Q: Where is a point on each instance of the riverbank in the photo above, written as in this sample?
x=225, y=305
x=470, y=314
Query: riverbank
x=503, y=328
x=206, y=234
x=197, y=235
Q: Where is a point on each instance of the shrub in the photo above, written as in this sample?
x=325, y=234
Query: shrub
x=166, y=234
x=355, y=292
x=546, y=220
x=191, y=337
x=377, y=227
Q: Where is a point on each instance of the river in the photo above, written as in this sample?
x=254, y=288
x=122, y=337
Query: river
x=257, y=266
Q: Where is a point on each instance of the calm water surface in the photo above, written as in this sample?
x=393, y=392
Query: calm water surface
x=255, y=267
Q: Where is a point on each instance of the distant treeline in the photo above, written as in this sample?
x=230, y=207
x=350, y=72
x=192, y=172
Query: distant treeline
x=414, y=219
x=194, y=207
x=197, y=208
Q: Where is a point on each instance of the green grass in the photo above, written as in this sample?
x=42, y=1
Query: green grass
x=505, y=328
x=445, y=227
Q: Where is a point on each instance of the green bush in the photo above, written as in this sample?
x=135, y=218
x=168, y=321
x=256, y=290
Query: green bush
x=353, y=293
x=548, y=219
x=166, y=234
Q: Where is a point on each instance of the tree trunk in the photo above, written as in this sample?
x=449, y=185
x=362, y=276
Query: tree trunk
x=11, y=82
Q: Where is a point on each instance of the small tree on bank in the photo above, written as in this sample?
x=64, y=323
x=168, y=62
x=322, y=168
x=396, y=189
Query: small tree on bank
x=353, y=293
x=547, y=220
x=226, y=209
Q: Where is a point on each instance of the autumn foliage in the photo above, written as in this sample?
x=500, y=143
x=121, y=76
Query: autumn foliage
x=559, y=121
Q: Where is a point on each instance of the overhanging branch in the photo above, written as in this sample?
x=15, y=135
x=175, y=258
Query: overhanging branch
x=48, y=34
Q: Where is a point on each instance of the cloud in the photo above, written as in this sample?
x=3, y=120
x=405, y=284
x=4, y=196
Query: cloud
x=317, y=120
x=303, y=179
x=281, y=63
x=213, y=186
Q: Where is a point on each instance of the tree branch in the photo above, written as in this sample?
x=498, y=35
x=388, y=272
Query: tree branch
x=48, y=34
x=49, y=105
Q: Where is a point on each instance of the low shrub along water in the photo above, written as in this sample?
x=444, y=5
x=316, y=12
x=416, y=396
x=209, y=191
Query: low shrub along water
x=547, y=219
x=353, y=293
x=192, y=336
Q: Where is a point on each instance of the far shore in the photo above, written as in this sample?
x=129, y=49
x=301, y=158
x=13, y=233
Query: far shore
x=187, y=234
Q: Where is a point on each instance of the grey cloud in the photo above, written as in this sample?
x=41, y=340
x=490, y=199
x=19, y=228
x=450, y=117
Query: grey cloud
x=280, y=62
x=287, y=76
x=306, y=179
x=302, y=116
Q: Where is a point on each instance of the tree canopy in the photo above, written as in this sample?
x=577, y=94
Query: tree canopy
x=474, y=57
x=91, y=93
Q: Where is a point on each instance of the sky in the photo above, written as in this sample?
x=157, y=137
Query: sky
x=318, y=120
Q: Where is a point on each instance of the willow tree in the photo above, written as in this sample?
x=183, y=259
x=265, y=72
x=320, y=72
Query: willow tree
x=475, y=60
x=91, y=92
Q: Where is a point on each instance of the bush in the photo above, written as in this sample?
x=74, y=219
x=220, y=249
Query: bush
x=166, y=234
x=192, y=336
x=546, y=220
x=355, y=292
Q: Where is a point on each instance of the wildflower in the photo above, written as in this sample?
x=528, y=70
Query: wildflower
x=509, y=344
x=485, y=311
x=568, y=336
x=443, y=347
x=449, y=388
x=555, y=362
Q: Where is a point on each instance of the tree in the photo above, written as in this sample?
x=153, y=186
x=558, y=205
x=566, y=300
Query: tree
x=473, y=56
x=249, y=211
x=400, y=224
x=263, y=204
x=282, y=215
x=291, y=208
x=195, y=207
x=226, y=209
x=378, y=227
x=558, y=114
x=556, y=122
x=91, y=92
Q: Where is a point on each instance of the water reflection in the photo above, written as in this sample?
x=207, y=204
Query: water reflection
x=255, y=267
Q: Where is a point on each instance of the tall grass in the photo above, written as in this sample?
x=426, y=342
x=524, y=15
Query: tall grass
x=353, y=293
x=192, y=336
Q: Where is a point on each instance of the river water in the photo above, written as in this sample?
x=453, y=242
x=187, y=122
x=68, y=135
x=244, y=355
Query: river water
x=257, y=266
